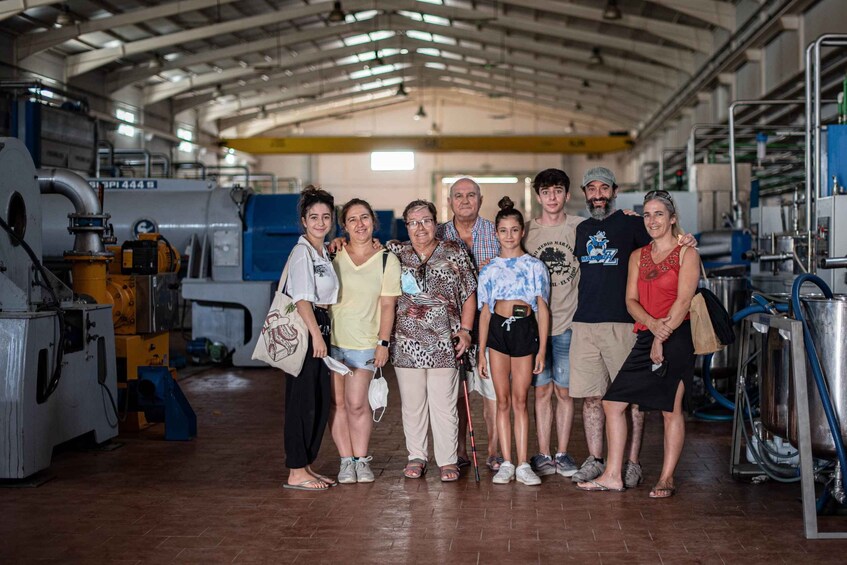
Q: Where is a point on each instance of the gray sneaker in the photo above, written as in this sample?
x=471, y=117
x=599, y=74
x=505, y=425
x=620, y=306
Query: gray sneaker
x=505, y=475
x=565, y=465
x=525, y=475
x=542, y=465
x=632, y=474
x=347, y=472
x=590, y=470
x=363, y=470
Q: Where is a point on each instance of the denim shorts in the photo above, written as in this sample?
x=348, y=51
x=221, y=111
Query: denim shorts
x=354, y=358
x=557, y=365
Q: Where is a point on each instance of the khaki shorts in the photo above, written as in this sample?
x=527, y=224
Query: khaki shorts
x=597, y=354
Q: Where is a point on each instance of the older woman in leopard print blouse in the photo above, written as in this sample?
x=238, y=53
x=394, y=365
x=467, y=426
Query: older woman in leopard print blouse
x=435, y=311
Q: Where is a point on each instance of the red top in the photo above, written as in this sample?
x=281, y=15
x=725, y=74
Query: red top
x=657, y=283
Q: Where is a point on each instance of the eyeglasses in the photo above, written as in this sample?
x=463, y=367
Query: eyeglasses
x=426, y=222
x=658, y=194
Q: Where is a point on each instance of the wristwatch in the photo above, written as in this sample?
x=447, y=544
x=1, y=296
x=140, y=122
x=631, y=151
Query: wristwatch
x=383, y=342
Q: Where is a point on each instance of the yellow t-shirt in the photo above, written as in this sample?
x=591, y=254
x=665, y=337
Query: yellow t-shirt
x=356, y=315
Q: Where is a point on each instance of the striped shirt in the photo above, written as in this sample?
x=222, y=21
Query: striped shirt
x=485, y=244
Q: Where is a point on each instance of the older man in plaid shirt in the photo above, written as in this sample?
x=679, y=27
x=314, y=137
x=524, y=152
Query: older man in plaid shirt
x=479, y=238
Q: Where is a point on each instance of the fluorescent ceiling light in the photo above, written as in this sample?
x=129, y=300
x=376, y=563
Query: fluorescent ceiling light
x=482, y=180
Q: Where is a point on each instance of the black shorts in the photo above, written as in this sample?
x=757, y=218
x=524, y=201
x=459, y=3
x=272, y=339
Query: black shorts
x=517, y=338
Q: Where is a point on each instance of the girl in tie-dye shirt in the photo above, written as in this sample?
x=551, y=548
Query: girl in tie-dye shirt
x=512, y=294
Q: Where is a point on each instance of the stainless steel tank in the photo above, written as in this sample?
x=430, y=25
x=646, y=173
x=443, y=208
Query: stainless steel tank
x=774, y=383
x=734, y=294
x=827, y=320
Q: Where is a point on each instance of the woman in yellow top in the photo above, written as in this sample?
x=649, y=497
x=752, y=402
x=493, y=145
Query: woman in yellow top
x=361, y=327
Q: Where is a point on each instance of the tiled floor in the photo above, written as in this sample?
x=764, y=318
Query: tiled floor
x=219, y=499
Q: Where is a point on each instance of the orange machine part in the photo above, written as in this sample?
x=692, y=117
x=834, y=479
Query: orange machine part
x=121, y=290
x=89, y=276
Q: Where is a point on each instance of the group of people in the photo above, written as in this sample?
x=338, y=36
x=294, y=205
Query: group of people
x=593, y=308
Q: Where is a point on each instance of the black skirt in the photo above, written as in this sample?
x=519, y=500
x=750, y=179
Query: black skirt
x=637, y=383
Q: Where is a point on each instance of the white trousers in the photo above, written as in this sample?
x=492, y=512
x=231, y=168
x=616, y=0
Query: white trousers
x=428, y=396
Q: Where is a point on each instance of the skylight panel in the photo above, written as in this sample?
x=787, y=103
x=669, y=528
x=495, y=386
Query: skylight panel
x=356, y=39
x=382, y=34
x=436, y=20
x=422, y=35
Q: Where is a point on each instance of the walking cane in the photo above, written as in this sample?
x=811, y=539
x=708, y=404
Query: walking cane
x=464, y=365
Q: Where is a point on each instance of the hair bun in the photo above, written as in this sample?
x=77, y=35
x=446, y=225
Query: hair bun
x=506, y=203
x=310, y=189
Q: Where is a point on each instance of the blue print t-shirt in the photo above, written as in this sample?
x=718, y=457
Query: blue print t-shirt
x=516, y=278
x=602, y=250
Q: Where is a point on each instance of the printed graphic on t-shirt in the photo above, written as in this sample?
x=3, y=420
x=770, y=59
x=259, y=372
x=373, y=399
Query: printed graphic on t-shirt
x=598, y=252
x=321, y=270
x=556, y=255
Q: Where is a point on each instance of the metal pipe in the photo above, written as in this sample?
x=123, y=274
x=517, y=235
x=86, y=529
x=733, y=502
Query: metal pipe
x=662, y=163
x=111, y=152
x=191, y=165
x=84, y=200
x=144, y=152
x=235, y=167
x=166, y=162
x=737, y=220
x=833, y=263
x=692, y=142
x=813, y=127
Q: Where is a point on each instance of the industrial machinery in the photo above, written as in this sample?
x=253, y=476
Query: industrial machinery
x=58, y=376
x=798, y=349
x=141, y=284
x=236, y=243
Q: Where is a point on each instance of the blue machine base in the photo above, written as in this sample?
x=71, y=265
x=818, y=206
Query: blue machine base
x=162, y=400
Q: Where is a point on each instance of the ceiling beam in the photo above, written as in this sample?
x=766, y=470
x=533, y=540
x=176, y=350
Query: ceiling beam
x=9, y=8
x=555, y=98
x=715, y=12
x=695, y=38
x=679, y=59
x=165, y=90
x=35, y=42
x=286, y=78
x=278, y=42
x=90, y=60
x=599, y=105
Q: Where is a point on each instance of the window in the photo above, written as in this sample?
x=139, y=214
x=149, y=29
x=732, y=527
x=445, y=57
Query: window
x=392, y=161
x=128, y=118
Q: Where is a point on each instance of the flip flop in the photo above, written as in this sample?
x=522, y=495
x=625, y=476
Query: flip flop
x=324, y=479
x=597, y=487
x=462, y=462
x=414, y=469
x=662, y=492
x=305, y=485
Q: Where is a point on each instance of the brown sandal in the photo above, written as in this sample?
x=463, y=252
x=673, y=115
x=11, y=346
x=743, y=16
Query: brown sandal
x=414, y=469
x=449, y=473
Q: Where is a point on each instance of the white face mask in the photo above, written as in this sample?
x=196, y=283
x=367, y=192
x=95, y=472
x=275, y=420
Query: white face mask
x=378, y=395
x=337, y=366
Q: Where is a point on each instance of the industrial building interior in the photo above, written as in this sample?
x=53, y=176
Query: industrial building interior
x=151, y=159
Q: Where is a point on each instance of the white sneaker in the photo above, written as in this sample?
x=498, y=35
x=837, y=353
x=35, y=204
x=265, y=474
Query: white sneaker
x=364, y=474
x=526, y=475
x=347, y=471
x=505, y=475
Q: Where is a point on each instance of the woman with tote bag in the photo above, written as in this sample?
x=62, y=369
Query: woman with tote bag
x=312, y=286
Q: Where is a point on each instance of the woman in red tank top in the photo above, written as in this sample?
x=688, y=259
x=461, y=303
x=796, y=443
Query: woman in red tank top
x=658, y=372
